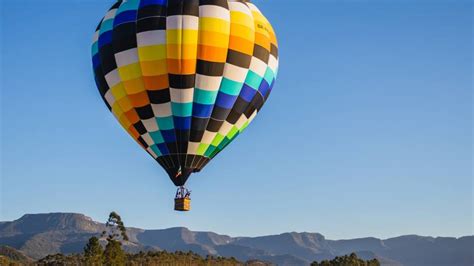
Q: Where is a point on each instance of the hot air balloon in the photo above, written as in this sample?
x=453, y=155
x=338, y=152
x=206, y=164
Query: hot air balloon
x=184, y=77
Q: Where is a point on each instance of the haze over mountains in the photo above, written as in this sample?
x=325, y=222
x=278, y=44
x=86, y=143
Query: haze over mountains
x=38, y=235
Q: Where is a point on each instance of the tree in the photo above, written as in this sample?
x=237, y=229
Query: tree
x=113, y=254
x=7, y=261
x=347, y=260
x=116, y=228
x=93, y=252
x=116, y=232
x=60, y=259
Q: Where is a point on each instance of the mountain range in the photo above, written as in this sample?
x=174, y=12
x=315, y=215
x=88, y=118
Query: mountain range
x=38, y=235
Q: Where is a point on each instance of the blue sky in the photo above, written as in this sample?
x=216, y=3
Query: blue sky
x=368, y=131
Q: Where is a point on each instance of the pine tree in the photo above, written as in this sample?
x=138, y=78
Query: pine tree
x=93, y=252
x=113, y=254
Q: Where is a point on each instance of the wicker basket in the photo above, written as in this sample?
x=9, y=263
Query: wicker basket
x=183, y=204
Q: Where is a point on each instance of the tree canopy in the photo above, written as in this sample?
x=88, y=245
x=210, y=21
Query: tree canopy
x=347, y=260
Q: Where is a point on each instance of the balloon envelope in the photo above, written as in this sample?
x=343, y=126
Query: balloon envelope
x=184, y=77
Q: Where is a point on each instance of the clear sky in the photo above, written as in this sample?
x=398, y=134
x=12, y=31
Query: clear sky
x=368, y=131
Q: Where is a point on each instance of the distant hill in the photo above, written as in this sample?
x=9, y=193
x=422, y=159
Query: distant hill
x=13, y=255
x=38, y=235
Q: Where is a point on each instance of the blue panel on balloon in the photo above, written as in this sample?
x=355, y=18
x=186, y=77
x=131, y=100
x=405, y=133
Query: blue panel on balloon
x=264, y=87
x=182, y=123
x=96, y=61
x=105, y=38
x=225, y=100
x=247, y=93
x=152, y=2
x=163, y=148
x=202, y=110
x=168, y=135
x=124, y=17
